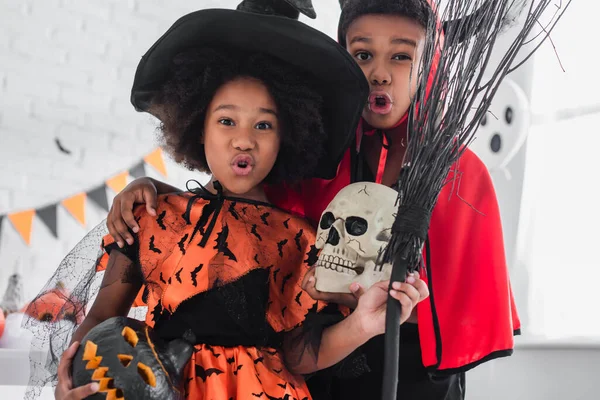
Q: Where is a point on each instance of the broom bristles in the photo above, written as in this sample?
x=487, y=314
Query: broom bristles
x=443, y=122
x=435, y=140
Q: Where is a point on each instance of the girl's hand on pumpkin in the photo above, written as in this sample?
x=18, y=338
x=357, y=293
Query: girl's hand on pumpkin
x=64, y=390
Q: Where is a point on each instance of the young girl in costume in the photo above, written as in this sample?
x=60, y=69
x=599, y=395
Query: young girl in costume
x=222, y=260
x=470, y=317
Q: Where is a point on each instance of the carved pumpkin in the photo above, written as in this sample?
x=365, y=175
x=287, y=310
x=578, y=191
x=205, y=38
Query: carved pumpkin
x=129, y=361
x=54, y=305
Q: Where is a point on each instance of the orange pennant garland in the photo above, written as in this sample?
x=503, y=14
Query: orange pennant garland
x=118, y=183
x=76, y=206
x=156, y=160
x=22, y=222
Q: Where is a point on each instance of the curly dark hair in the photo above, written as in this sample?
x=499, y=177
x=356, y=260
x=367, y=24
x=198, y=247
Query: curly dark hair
x=195, y=77
x=417, y=10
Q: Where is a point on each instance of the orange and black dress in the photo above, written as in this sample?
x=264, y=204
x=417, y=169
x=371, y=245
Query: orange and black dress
x=230, y=270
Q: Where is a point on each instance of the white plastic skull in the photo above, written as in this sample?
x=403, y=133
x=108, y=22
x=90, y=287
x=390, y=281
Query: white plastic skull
x=352, y=232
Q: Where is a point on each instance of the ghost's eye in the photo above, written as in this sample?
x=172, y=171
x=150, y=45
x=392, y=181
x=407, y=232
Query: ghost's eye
x=508, y=115
x=484, y=120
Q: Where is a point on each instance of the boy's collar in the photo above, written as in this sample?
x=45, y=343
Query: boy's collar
x=368, y=130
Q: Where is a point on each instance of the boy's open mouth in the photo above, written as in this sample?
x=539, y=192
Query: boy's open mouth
x=380, y=102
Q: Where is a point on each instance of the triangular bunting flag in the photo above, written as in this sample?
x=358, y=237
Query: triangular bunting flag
x=76, y=206
x=157, y=161
x=48, y=217
x=99, y=197
x=138, y=170
x=118, y=183
x=22, y=222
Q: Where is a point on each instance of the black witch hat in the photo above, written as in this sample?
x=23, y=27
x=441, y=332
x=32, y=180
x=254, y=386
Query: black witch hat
x=270, y=27
x=287, y=8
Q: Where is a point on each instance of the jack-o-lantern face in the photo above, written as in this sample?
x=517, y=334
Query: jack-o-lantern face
x=130, y=362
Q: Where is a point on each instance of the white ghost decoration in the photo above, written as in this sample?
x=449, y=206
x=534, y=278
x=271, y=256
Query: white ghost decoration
x=503, y=129
x=353, y=230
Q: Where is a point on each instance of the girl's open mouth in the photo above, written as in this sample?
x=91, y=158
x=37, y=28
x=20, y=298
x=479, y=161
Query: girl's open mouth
x=242, y=164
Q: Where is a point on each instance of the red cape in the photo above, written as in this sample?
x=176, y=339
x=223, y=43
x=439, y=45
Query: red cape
x=471, y=315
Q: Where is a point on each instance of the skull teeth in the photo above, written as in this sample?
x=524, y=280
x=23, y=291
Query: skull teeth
x=337, y=264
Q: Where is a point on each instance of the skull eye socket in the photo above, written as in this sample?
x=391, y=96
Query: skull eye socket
x=356, y=226
x=327, y=220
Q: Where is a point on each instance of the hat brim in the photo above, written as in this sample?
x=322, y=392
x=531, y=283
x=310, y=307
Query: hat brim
x=339, y=79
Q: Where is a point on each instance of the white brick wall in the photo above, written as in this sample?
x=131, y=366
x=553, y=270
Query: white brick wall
x=66, y=68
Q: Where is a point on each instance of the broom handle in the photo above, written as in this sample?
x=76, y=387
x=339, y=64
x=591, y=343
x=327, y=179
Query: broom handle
x=391, y=356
